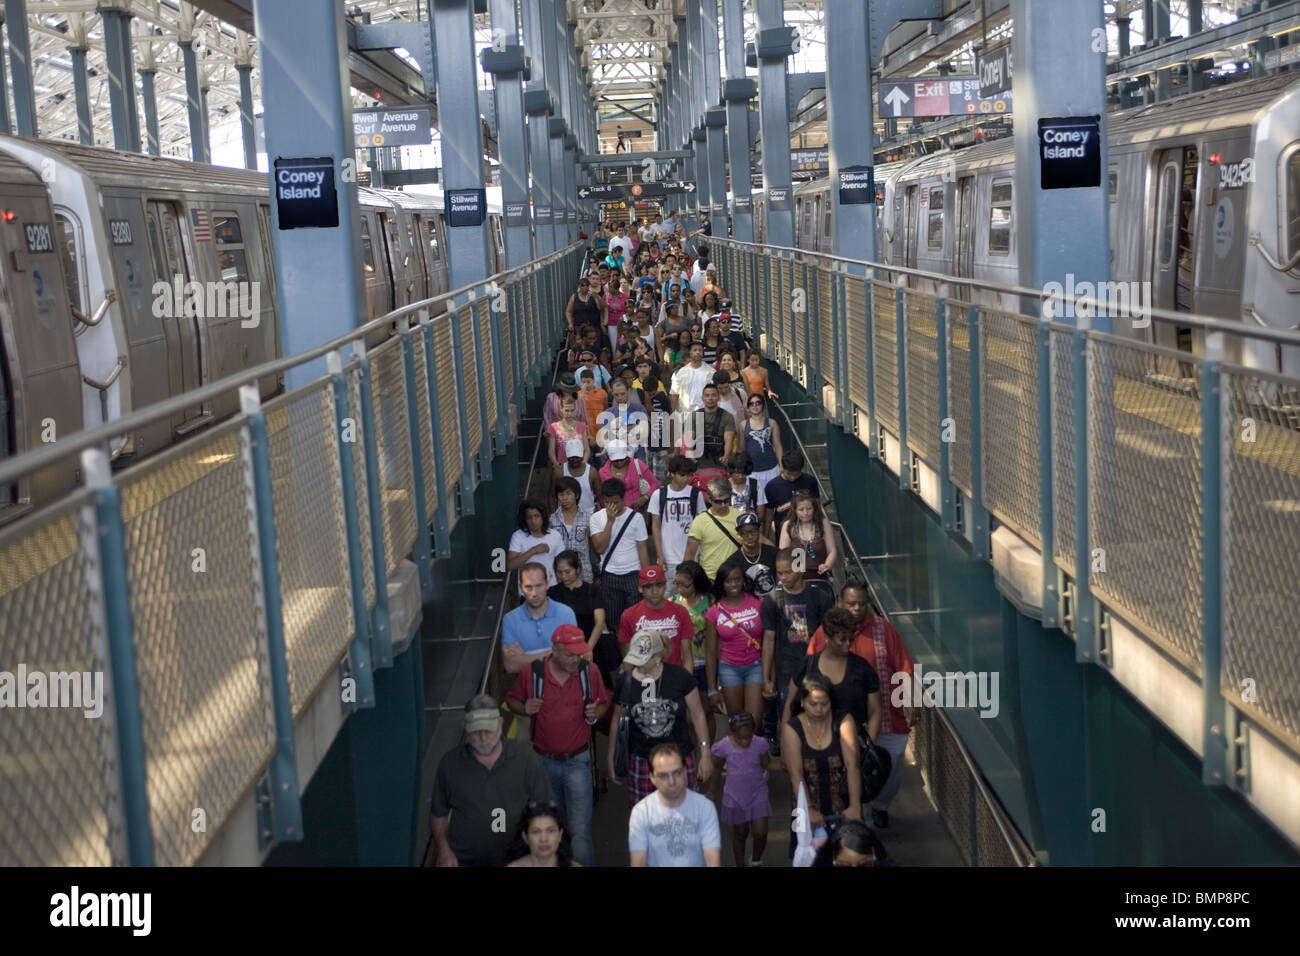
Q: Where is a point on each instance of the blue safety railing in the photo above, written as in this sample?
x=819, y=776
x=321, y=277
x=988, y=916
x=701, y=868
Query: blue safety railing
x=1160, y=487
x=212, y=591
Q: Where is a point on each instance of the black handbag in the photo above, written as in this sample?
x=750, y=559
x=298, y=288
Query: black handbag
x=876, y=765
x=623, y=739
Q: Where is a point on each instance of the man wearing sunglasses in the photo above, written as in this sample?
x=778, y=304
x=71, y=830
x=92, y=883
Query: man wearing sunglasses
x=713, y=537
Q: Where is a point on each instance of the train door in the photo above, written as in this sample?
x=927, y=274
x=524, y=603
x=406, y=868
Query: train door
x=965, y=235
x=1174, y=260
x=828, y=224
x=170, y=260
x=415, y=245
x=498, y=240
x=909, y=233
x=397, y=260
x=433, y=254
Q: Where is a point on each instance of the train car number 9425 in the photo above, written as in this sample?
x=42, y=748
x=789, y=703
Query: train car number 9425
x=39, y=237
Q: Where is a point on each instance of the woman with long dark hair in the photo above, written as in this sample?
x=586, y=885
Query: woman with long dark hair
x=543, y=838
x=852, y=843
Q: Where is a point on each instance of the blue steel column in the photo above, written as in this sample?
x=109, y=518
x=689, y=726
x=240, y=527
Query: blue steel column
x=555, y=122
x=848, y=94
x=775, y=121
x=452, y=27
x=246, y=128
x=702, y=198
x=121, y=79
x=206, y=118
x=308, y=113
x=1058, y=231
x=5, y=127
x=103, y=542
x=713, y=117
x=194, y=102
x=20, y=57
x=570, y=73
x=537, y=105
x=85, y=129
x=737, y=92
x=695, y=110
x=1214, y=762
x=508, y=89
x=150, y=111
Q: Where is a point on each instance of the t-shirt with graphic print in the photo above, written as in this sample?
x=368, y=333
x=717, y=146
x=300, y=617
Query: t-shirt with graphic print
x=657, y=710
x=793, y=619
x=674, y=836
x=740, y=631
x=699, y=644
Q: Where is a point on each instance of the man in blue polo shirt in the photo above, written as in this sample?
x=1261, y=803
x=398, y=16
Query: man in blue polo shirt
x=526, y=631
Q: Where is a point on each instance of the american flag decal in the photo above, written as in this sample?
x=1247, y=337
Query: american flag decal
x=202, y=225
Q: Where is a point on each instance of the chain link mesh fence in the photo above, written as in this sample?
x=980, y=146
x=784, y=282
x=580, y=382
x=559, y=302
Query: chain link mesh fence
x=924, y=417
x=393, y=448
x=1063, y=500
x=200, y=641
x=469, y=383
x=1144, y=491
x=489, y=358
x=1261, y=533
x=445, y=369
x=362, y=481
x=310, y=538
x=59, y=779
x=884, y=352
x=427, y=462
x=958, y=356
x=1009, y=426
x=825, y=358
x=858, y=330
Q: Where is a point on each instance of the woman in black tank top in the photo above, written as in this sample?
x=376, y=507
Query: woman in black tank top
x=820, y=750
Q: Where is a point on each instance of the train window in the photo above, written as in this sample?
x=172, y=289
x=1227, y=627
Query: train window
x=232, y=260
x=1170, y=180
x=1293, y=203
x=367, y=249
x=68, y=251
x=934, y=222
x=1001, y=197
x=170, y=252
x=434, y=253
x=1113, y=179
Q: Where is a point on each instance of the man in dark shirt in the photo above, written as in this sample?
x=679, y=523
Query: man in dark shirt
x=781, y=489
x=481, y=790
x=792, y=613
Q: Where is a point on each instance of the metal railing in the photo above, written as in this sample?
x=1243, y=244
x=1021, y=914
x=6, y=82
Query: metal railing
x=1161, y=485
x=213, y=590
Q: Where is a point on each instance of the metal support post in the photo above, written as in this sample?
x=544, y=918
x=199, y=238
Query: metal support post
x=947, y=491
x=103, y=544
x=737, y=92
x=981, y=544
x=359, y=663
x=441, y=521
x=848, y=93
x=150, y=98
x=194, y=102
x=774, y=46
x=1062, y=231
x=246, y=128
x=20, y=63
x=85, y=129
x=537, y=106
x=302, y=48
x=1087, y=647
x=286, y=802
x=904, y=453
x=121, y=79
x=1214, y=765
x=1050, y=600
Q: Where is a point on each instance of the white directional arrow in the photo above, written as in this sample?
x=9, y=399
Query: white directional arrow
x=689, y=187
x=897, y=99
x=583, y=192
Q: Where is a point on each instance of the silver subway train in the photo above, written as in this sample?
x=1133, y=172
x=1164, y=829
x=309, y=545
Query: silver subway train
x=1204, y=214
x=94, y=322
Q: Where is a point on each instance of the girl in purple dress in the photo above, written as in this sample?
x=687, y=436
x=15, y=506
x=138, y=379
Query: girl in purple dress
x=745, y=803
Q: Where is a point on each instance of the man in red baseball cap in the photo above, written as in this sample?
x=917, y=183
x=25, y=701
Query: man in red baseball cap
x=655, y=613
x=564, y=696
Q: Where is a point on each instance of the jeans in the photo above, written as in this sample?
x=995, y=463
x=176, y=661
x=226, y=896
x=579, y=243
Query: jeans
x=571, y=786
x=896, y=745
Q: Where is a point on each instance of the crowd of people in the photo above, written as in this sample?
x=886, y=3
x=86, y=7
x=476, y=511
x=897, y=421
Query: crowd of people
x=676, y=570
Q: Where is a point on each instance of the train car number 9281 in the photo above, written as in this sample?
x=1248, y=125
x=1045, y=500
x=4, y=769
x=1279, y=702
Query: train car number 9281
x=39, y=237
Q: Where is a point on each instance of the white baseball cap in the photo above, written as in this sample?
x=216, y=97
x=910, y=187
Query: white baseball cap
x=573, y=448
x=616, y=450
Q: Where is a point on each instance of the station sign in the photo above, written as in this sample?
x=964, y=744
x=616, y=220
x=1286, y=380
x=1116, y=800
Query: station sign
x=1069, y=150
x=516, y=213
x=778, y=198
x=542, y=215
x=857, y=185
x=392, y=126
x=466, y=207
x=939, y=96
x=742, y=206
x=810, y=160
x=671, y=187
x=994, y=72
x=305, y=197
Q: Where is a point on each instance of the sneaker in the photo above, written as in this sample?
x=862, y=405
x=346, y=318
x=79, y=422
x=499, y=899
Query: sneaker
x=880, y=819
x=755, y=862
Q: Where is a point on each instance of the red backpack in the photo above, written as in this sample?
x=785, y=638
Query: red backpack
x=703, y=476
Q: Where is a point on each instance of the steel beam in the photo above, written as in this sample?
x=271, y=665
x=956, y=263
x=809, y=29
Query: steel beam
x=20, y=63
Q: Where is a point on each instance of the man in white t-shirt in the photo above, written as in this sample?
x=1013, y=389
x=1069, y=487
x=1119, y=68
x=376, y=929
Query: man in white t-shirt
x=674, y=826
x=672, y=508
x=619, y=536
x=621, y=241
x=689, y=382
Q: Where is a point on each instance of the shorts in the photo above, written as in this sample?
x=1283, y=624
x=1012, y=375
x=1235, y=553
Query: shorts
x=763, y=477
x=702, y=679
x=639, y=782
x=759, y=808
x=732, y=675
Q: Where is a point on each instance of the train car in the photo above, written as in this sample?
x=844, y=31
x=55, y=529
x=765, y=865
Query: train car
x=134, y=231
x=1204, y=192
x=40, y=378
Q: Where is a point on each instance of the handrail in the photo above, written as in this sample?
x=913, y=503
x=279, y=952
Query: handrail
x=1204, y=323
x=37, y=459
